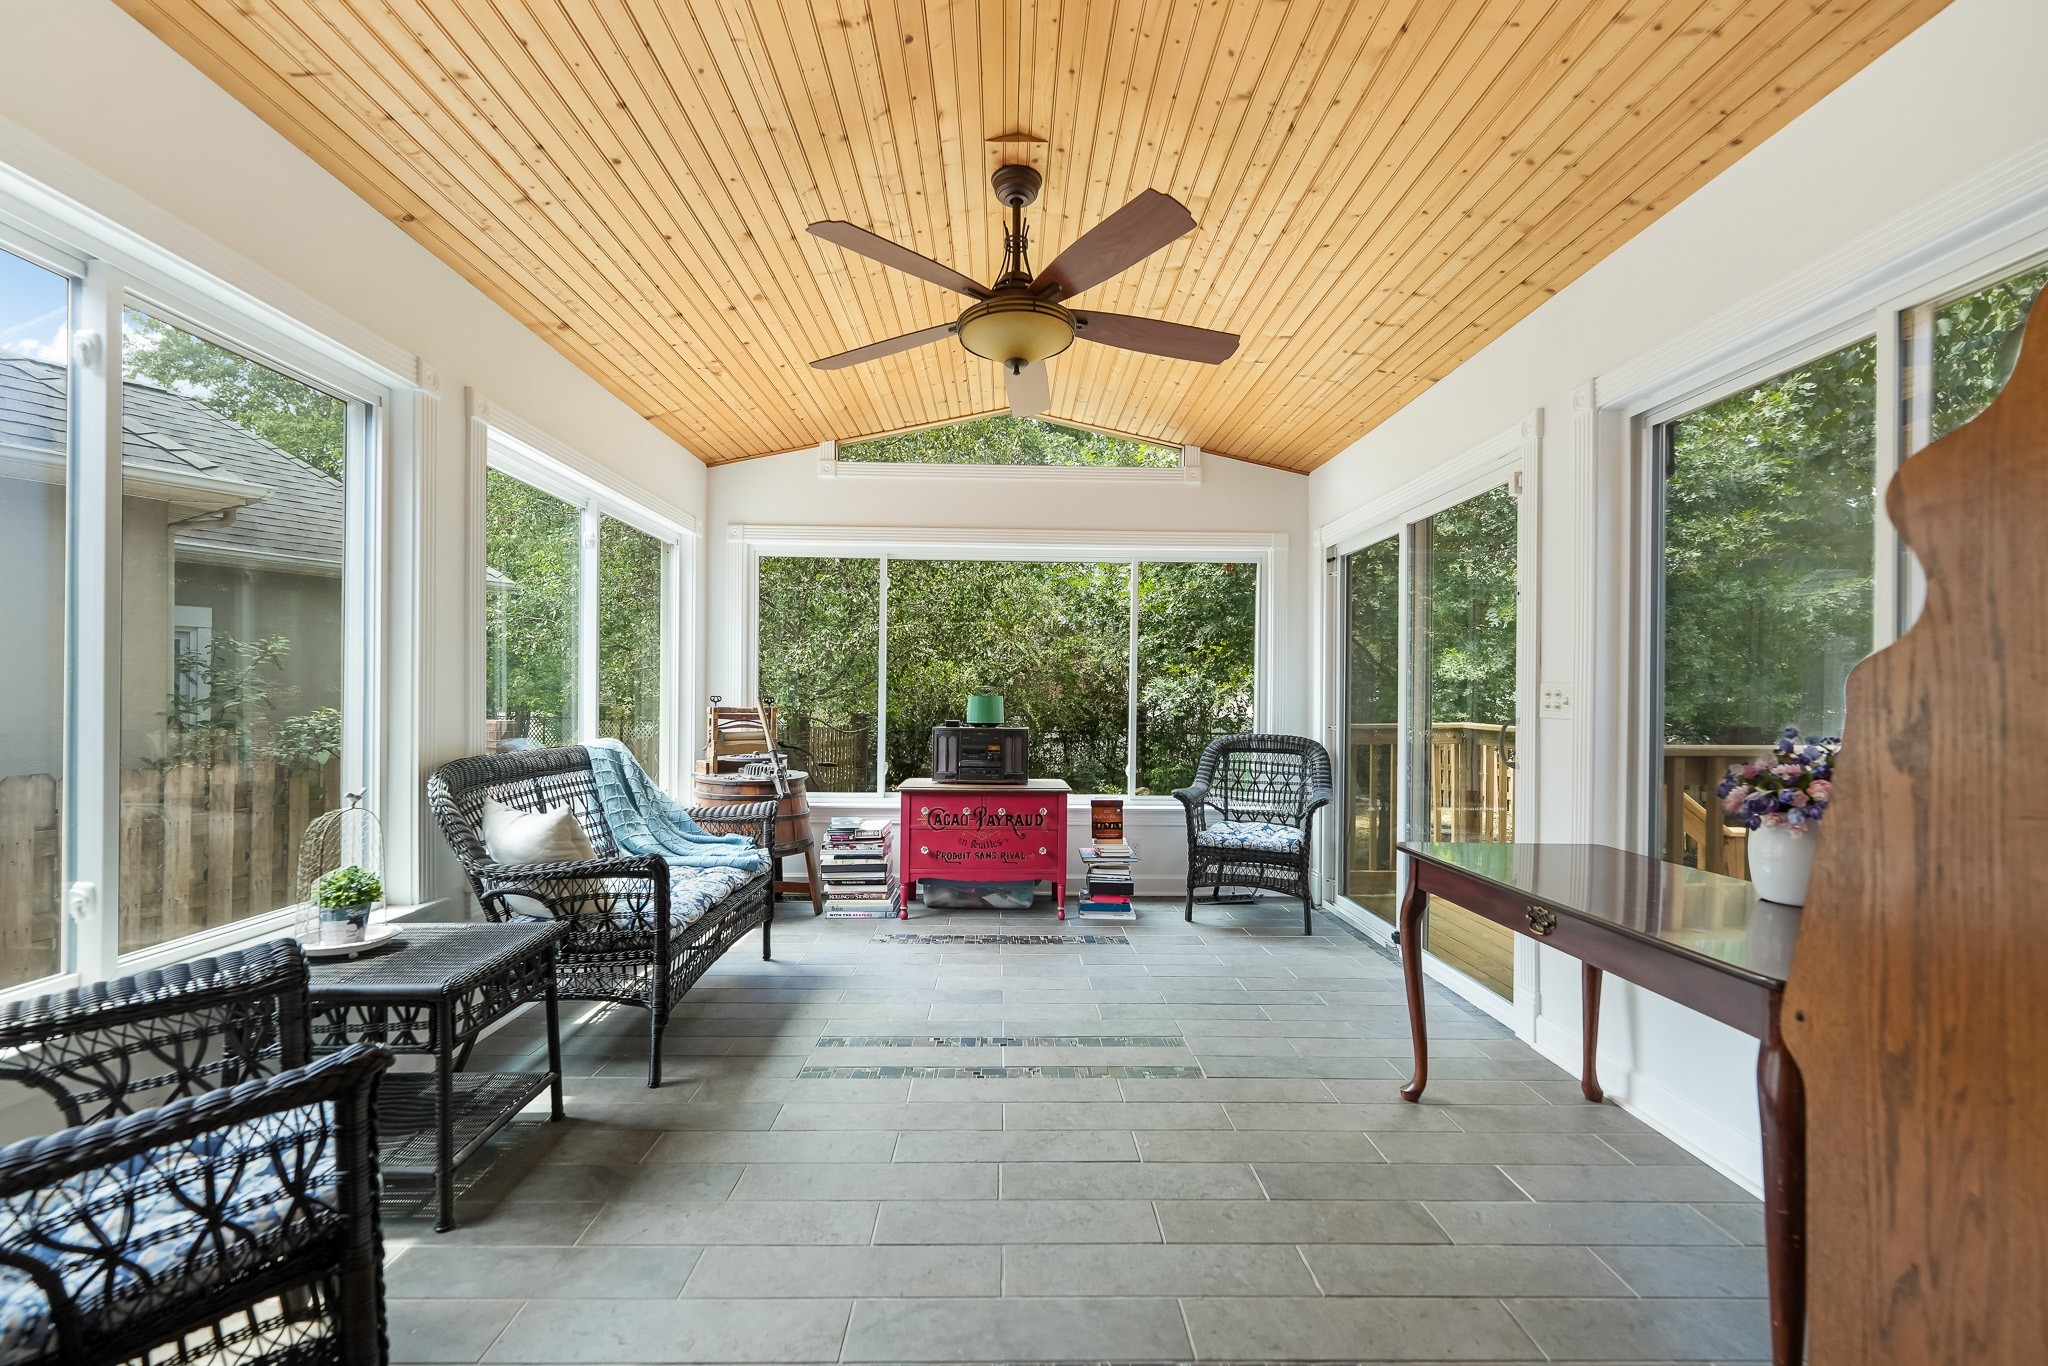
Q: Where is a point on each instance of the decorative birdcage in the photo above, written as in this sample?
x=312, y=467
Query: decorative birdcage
x=348, y=838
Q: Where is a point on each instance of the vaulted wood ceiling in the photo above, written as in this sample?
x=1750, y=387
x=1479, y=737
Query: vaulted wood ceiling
x=1382, y=186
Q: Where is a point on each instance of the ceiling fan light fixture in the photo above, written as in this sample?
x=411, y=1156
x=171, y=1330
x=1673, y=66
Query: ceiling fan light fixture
x=1016, y=329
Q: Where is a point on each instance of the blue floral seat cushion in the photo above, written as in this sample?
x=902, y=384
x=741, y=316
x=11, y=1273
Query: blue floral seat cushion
x=1260, y=837
x=695, y=892
x=126, y=1241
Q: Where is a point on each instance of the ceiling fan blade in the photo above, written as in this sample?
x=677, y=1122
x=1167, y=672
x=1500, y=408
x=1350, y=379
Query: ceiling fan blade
x=1156, y=338
x=1117, y=243
x=909, y=341
x=896, y=257
x=1030, y=391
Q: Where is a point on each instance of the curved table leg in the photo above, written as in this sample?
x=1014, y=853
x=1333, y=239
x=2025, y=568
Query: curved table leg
x=1410, y=924
x=1589, y=996
x=1781, y=1101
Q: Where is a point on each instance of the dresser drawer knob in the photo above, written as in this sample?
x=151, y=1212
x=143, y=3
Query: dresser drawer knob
x=1542, y=920
x=1041, y=849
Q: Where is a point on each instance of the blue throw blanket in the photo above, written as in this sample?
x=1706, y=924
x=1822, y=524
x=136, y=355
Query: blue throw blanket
x=646, y=820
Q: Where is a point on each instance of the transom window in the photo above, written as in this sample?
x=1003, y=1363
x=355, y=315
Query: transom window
x=1005, y=440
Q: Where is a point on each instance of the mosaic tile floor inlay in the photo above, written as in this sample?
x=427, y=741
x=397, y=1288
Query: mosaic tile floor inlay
x=884, y=1073
x=1001, y=939
x=1001, y=1041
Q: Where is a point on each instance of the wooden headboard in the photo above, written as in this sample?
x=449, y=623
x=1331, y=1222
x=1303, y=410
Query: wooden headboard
x=1918, y=999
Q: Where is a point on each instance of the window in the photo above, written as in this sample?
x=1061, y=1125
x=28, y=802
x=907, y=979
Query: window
x=34, y=505
x=1006, y=440
x=1371, y=585
x=533, y=551
x=820, y=656
x=1123, y=669
x=1970, y=345
x=1769, y=562
x=234, y=653
x=577, y=606
x=629, y=636
x=1053, y=639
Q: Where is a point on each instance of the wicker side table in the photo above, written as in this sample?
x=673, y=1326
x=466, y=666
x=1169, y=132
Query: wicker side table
x=434, y=995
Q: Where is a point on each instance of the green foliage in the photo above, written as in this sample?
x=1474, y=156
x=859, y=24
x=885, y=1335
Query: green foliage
x=308, y=741
x=1769, y=551
x=1975, y=343
x=1373, y=627
x=294, y=417
x=347, y=888
x=533, y=546
x=1197, y=658
x=1005, y=440
x=228, y=695
x=1054, y=639
x=629, y=639
x=1466, y=581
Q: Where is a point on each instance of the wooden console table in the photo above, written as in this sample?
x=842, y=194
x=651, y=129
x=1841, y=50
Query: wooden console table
x=1007, y=832
x=1702, y=940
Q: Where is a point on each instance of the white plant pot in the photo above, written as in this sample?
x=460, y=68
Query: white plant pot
x=1781, y=861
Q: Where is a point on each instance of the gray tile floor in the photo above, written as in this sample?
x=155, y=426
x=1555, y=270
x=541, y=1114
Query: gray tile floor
x=1192, y=1151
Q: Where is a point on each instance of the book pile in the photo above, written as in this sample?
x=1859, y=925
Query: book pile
x=1109, y=859
x=859, y=877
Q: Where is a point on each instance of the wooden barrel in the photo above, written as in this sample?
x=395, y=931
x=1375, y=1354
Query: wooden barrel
x=793, y=811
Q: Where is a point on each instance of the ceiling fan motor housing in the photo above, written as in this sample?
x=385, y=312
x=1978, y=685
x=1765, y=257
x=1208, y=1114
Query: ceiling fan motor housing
x=1017, y=328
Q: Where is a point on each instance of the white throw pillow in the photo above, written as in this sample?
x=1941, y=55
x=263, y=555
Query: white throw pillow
x=514, y=836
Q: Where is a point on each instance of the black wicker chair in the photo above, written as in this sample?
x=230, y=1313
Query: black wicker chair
x=625, y=941
x=215, y=1196
x=1251, y=812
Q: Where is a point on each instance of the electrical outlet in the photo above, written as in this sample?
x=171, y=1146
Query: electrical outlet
x=1557, y=700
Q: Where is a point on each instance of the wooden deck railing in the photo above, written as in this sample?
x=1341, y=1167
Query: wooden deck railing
x=201, y=845
x=1471, y=794
x=1472, y=790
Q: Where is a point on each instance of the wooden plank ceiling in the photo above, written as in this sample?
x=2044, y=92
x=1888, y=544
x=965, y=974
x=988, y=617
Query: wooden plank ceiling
x=1382, y=186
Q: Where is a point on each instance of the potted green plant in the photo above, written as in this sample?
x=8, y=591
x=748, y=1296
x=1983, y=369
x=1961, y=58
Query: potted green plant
x=345, y=898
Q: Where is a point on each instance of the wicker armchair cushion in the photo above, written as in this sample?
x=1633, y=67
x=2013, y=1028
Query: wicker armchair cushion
x=1260, y=836
x=147, y=1232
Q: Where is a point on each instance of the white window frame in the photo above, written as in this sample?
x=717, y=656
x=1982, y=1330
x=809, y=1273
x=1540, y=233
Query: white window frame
x=750, y=543
x=152, y=261
x=502, y=441
x=1878, y=309
x=1512, y=460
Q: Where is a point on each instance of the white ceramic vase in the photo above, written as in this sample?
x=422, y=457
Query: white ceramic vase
x=1781, y=861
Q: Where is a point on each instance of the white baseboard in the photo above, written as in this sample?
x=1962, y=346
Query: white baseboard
x=1728, y=1150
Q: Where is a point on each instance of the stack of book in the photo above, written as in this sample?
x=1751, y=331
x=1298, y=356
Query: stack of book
x=1109, y=859
x=859, y=876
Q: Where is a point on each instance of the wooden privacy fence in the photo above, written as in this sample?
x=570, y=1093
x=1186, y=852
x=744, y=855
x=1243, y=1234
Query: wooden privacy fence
x=201, y=845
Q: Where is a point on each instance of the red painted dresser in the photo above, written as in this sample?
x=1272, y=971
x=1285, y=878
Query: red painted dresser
x=1011, y=832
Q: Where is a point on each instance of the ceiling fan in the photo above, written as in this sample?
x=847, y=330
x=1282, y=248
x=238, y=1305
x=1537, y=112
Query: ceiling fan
x=1022, y=320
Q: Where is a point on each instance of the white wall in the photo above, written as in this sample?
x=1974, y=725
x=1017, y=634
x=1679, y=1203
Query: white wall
x=85, y=78
x=1233, y=496
x=1960, y=95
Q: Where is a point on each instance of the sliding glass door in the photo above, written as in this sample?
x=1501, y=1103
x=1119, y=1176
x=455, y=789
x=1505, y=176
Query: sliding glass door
x=1460, y=736
x=1371, y=585
x=1430, y=677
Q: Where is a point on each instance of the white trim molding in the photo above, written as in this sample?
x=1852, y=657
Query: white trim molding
x=568, y=472
x=1518, y=444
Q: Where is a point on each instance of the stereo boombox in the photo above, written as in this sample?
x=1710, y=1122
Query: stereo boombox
x=980, y=754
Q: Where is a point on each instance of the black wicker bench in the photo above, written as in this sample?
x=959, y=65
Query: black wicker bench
x=214, y=1196
x=638, y=933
